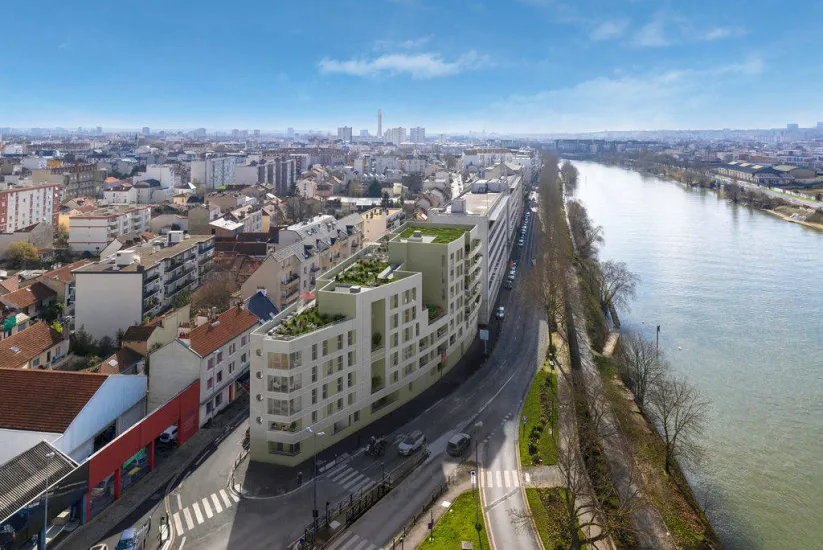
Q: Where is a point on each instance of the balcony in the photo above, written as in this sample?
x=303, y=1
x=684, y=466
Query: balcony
x=290, y=281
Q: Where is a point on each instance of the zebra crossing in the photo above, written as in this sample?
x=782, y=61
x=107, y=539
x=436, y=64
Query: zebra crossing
x=203, y=509
x=352, y=541
x=350, y=479
x=490, y=479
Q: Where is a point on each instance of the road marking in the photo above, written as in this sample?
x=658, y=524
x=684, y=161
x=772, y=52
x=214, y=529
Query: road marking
x=366, y=483
x=346, y=478
x=207, y=507
x=353, y=481
x=507, y=479
x=189, y=522
x=216, y=501
x=528, y=477
x=182, y=542
x=351, y=541
x=225, y=498
x=197, y=513
x=515, y=479
x=179, y=502
x=235, y=497
x=489, y=479
x=178, y=524
x=342, y=473
x=499, y=478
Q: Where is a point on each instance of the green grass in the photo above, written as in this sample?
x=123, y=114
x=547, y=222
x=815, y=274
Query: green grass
x=306, y=321
x=457, y=525
x=442, y=235
x=532, y=410
x=364, y=273
x=546, y=506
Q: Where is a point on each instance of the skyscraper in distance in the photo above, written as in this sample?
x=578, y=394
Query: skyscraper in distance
x=379, y=122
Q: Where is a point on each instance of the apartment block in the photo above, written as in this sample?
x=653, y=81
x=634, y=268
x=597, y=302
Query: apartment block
x=76, y=180
x=93, y=231
x=247, y=219
x=22, y=207
x=386, y=324
x=140, y=282
x=213, y=172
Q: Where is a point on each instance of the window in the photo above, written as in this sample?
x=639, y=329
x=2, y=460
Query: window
x=314, y=396
x=325, y=347
x=394, y=359
x=339, y=363
x=340, y=384
x=211, y=363
x=350, y=379
x=339, y=341
x=351, y=398
x=394, y=340
x=242, y=358
x=394, y=321
x=314, y=374
x=232, y=348
x=314, y=352
x=36, y=362
x=394, y=301
x=330, y=409
x=325, y=391
x=351, y=337
x=314, y=417
x=218, y=399
x=231, y=367
x=219, y=376
x=219, y=356
x=394, y=377
x=243, y=340
x=210, y=383
x=352, y=358
x=357, y=416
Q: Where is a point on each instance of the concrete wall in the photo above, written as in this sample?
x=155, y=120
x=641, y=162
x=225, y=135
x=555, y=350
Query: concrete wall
x=18, y=441
x=108, y=302
x=172, y=368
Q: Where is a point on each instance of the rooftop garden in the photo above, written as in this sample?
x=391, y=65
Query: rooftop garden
x=434, y=312
x=306, y=321
x=364, y=273
x=442, y=235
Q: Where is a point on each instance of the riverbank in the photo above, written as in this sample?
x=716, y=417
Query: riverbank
x=789, y=218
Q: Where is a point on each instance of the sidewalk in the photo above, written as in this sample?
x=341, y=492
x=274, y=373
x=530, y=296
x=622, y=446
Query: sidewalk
x=101, y=526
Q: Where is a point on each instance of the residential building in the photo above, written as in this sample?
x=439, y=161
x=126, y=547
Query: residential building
x=158, y=332
x=121, y=193
x=396, y=135
x=379, y=222
x=246, y=219
x=344, y=134
x=213, y=172
x=384, y=327
x=229, y=200
x=76, y=180
x=40, y=235
x=36, y=347
x=495, y=206
x=93, y=231
x=379, y=123
x=216, y=352
x=304, y=251
x=22, y=207
x=307, y=188
x=29, y=300
x=417, y=135
x=61, y=281
x=200, y=216
x=166, y=174
x=140, y=282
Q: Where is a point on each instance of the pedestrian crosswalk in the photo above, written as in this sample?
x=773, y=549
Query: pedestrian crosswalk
x=350, y=479
x=499, y=478
x=203, y=509
x=352, y=541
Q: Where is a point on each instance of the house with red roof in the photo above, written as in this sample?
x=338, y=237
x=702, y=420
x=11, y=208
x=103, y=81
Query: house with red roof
x=216, y=352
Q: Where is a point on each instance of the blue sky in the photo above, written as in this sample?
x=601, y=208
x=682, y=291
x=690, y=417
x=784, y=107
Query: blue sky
x=515, y=66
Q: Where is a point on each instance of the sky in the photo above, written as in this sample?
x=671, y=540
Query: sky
x=519, y=66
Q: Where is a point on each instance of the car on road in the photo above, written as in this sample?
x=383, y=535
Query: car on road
x=457, y=444
x=100, y=547
x=508, y=284
x=500, y=313
x=520, y=242
x=411, y=443
x=128, y=540
x=169, y=435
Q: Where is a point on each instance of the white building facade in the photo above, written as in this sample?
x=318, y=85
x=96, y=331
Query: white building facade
x=26, y=206
x=93, y=231
x=213, y=172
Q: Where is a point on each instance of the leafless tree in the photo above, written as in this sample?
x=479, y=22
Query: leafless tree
x=639, y=366
x=617, y=285
x=587, y=236
x=593, y=391
x=679, y=411
x=213, y=294
x=297, y=209
x=569, y=173
x=733, y=192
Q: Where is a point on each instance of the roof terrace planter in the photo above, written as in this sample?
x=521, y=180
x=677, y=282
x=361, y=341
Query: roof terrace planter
x=306, y=321
x=442, y=235
x=365, y=272
x=435, y=312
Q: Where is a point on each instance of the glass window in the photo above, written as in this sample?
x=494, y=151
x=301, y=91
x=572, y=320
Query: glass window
x=325, y=391
x=340, y=384
x=211, y=363
x=219, y=356
x=210, y=383
x=314, y=352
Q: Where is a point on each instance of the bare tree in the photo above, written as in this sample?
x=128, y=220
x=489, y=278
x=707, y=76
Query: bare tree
x=733, y=192
x=639, y=366
x=587, y=236
x=617, y=285
x=680, y=412
x=569, y=173
x=213, y=294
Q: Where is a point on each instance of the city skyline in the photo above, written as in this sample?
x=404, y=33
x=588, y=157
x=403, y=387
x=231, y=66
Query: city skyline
x=635, y=67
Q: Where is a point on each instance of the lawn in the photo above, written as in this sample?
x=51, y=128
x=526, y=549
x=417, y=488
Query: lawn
x=538, y=420
x=443, y=235
x=457, y=525
x=546, y=506
x=364, y=273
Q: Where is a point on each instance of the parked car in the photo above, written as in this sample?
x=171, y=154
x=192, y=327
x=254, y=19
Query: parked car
x=520, y=242
x=128, y=540
x=103, y=546
x=508, y=284
x=457, y=444
x=169, y=435
x=411, y=443
x=500, y=313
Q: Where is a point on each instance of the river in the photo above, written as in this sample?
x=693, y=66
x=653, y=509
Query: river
x=738, y=294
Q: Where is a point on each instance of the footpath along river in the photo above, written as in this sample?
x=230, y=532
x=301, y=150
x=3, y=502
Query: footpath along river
x=739, y=297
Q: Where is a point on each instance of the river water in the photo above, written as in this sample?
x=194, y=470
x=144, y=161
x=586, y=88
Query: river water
x=739, y=297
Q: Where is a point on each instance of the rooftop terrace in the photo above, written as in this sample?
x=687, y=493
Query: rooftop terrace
x=442, y=235
x=365, y=272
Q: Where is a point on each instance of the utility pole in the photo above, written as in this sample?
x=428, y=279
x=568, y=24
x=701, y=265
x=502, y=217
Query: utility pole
x=657, y=344
x=314, y=484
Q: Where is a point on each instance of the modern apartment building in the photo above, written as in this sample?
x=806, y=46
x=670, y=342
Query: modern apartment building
x=417, y=135
x=213, y=172
x=303, y=253
x=495, y=206
x=137, y=283
x=26, y=206
x=76, y=180
x=93, y=231
x=386, y=324
x=344, y=134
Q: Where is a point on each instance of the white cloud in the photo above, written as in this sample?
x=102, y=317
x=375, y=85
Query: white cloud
x=411, y=44
x=420, y=65
x=719, y=33
x=653, y=34
x=607, y=30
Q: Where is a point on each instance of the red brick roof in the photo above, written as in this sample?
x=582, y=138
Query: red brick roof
x=29, y=343
x=43, y=400
x=11, y=284
x=229, y=325
x=63, y=274
x=29, y=295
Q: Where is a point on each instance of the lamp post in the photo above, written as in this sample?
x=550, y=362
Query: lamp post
x=477, y=426
x=46, y=503
x=314, y=482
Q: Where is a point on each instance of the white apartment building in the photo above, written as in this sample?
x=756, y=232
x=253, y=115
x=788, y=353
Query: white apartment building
x=384, y=327
x=166, y=174
x=213, y=172
x=122, y=193
x=216, y=352
x=93, y=231
x=396, y=135
x=417, y=135
x=140, y=282
x=246, y=219
x=344, y=134
x=22, y=207
x=379, y=222
x=495, y=207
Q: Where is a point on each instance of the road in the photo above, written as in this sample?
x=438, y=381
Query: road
x=204, y=513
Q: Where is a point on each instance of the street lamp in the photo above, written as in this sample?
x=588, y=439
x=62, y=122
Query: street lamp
x=314, y=483
x=477, y=426
x=46, y=502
